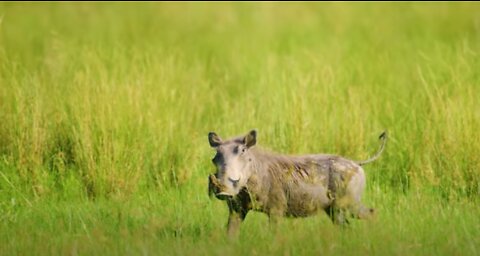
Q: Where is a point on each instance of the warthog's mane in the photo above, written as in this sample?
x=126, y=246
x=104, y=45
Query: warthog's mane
x=282, y=167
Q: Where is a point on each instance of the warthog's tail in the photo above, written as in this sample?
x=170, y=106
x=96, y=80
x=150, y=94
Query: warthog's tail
x=383, y=138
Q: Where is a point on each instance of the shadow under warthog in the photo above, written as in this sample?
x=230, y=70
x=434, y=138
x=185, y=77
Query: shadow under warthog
x=279, y=185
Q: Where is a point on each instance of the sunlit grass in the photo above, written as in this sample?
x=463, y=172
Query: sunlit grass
x=105, y=110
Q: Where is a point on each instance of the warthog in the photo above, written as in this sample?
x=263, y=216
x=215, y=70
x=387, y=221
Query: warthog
x=279, y=185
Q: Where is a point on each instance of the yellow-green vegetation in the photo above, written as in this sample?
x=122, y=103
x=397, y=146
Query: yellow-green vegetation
x=105, y=110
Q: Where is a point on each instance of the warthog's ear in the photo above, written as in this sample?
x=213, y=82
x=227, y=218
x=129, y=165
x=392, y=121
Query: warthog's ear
x=214, y=139
x=250, y=139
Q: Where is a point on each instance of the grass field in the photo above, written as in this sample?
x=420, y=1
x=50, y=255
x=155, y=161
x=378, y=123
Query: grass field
x=105, y=110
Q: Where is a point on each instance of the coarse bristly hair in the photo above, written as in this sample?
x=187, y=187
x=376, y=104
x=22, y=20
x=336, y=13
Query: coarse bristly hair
x=284, y=185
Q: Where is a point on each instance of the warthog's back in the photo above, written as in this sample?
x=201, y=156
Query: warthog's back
x=301, y=185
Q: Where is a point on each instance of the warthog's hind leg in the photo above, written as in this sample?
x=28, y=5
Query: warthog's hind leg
x=360, y=211
x=338, y=215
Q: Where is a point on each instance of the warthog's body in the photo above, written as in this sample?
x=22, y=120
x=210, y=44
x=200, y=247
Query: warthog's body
x=281, y=185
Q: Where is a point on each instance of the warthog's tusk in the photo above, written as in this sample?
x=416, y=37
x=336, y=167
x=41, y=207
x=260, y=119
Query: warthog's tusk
x=223, y=194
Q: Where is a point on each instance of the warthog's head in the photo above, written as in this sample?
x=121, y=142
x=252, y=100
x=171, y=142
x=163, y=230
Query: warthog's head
x=233, y=161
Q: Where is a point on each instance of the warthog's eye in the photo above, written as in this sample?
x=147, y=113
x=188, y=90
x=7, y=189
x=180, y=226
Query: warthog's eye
x=239, y=149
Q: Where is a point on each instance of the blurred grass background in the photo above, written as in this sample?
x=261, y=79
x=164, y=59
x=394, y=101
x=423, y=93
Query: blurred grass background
x=105, y=110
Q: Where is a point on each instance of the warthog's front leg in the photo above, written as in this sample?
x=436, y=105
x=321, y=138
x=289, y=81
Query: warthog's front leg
x=235, y=218
x=275, y=215
x=273, y=221
x=234, y=221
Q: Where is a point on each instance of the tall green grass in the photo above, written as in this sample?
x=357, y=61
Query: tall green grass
x=105, y=107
